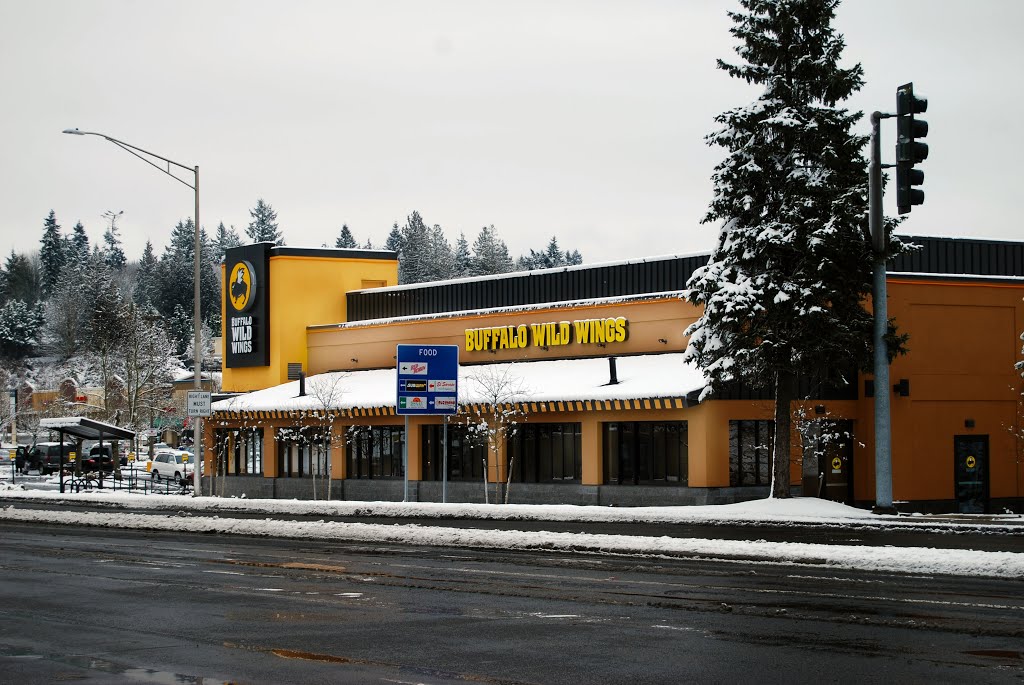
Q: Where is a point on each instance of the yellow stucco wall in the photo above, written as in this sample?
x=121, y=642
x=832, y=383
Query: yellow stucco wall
x=305, y=291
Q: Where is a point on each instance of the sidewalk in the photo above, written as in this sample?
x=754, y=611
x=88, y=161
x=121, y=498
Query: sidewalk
x=795, y=511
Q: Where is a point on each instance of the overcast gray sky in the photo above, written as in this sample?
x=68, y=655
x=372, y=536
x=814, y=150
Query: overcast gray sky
x=584, y=120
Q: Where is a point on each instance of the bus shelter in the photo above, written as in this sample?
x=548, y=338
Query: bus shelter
x=86, y=429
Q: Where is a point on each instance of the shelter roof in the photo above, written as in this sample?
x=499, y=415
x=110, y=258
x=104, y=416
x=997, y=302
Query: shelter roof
x=87, y=429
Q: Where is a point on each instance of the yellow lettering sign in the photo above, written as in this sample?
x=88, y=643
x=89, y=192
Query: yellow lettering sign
x=548, y=334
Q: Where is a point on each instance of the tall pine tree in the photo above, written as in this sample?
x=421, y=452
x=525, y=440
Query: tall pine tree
x=224, y=240
x=22, y=279
x=394, y=239
x=113, y=253
x=146, y=279
x=463, y=258
x=414, y=256
x=79, y=244
x=174, y=292
x=784, y=289
x=51, y=254
x=263, y=227
x=490, y=254
x=441, y=260
x=345, y=238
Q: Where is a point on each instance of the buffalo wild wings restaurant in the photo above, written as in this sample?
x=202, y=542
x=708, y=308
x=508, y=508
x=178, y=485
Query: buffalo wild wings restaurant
x=577, y=375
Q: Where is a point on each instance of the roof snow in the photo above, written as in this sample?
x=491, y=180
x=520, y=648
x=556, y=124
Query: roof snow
x=642, y=376
x=565, y=304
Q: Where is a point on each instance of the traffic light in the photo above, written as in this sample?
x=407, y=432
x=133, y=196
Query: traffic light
x=909, y=151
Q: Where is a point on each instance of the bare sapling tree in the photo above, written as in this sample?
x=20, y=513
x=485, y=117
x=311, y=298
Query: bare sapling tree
x=7, y=415
x=498, y=393
x=148, y=354
x=1017, y=430
x=817, y=434
x=327, y=390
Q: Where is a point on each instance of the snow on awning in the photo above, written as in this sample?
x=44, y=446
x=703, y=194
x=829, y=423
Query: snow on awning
x=87, y=429
x=645, y=381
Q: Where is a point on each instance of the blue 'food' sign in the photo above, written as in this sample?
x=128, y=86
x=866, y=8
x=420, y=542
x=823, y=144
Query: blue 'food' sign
x=428, y=379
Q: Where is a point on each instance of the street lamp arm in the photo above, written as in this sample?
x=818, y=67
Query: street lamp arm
x=134, y=150
x=197, y=369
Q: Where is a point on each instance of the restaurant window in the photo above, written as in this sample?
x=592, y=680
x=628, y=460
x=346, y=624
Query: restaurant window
x=750, y=452
x=546, y=453
x=303, y=451
x=466, y=457
x=375, y=451
x=238, y=451
x=646, y=453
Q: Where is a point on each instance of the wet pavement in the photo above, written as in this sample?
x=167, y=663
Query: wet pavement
x=119, y=606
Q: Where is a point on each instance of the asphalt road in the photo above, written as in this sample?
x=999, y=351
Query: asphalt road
x=101, y=606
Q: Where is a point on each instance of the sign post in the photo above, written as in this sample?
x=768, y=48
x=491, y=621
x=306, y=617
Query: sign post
x=428, y=384
x=199, y=402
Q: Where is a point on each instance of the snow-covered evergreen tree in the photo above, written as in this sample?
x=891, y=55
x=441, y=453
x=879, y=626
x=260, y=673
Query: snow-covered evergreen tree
x=224, y=240
x=51, y=254
x=414, y=256
x=441, y=261
x=174, y=281
x=20, y=326
x=145, y=291
x=105, y=325
x=22, y=279
x=553, y=253
x=394, y=239
x=548, y=258
x=263, y=227
x=79, y=244
x=179, y=326
x=490, y=254
x=783, y=291
x=113, y=253
x=463, y=258
x=345, y=238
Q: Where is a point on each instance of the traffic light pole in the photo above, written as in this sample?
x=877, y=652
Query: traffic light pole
x=883, y=429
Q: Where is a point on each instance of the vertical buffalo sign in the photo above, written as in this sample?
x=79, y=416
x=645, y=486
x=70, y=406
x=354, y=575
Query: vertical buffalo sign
x=246, y=306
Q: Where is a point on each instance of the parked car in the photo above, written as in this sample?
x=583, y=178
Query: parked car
x=169, y=464
x=99, y=459
x=45, y=457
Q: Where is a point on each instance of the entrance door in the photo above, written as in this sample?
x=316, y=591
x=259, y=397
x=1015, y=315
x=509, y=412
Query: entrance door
x=970, y=471
x=835, y=462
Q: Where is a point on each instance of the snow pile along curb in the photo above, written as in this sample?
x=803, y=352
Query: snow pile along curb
x=913, y=560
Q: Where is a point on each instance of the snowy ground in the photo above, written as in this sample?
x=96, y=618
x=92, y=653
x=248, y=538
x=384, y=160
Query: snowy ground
x=202, y=514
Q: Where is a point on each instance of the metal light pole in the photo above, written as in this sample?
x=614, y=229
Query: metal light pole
x=876, y=222
x=197, y=427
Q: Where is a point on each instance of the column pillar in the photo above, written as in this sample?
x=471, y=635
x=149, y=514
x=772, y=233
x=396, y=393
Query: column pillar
x=269, y=452
x=590, y=444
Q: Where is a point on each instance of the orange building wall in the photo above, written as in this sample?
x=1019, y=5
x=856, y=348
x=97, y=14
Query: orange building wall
x=964, y=341
x=369, y=346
